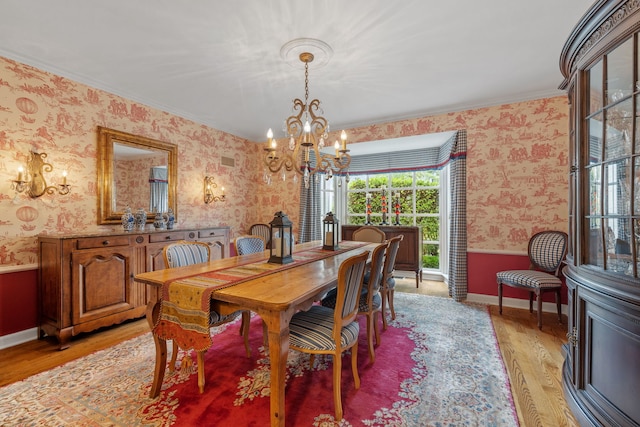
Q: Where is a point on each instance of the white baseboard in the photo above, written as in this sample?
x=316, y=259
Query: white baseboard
x=10, y=340
x=549, y=307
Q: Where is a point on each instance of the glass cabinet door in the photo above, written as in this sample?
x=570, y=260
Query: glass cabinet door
x=612, y=163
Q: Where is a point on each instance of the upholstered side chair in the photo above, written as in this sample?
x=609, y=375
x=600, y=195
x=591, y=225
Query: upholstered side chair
x=262, y=230
x=368, y=233
x=247, y=244
x=370, y=303
x=322, y=330
x=388, y=285
x=182, y=253
x=547, y=250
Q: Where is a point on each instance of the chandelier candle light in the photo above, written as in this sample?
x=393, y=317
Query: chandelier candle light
x=307, y=132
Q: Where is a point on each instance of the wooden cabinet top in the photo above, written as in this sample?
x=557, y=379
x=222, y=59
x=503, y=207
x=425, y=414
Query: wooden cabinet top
x=113, y=233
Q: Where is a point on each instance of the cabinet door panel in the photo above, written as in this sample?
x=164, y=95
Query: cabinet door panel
x=610, y=376
x=101, y=283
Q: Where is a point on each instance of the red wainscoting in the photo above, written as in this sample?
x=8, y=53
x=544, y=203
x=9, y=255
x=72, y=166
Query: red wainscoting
x=18, y=301
x=483, y=267
x=18, y=291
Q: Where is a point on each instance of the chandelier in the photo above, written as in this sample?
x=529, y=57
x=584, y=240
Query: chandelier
x=307, y=132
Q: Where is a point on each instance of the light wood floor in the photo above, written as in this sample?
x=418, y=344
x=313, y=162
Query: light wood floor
x=533, y=358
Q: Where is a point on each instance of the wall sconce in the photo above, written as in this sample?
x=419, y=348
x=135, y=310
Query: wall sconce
x=32, y=181
x=209, y=185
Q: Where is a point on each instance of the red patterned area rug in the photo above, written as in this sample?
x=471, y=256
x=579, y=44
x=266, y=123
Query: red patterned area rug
x=438, y=365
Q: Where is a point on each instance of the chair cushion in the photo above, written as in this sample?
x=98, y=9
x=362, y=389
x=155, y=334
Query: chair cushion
x=528, y=279
x=330, y=300
x=216, y=318
x=312, y=330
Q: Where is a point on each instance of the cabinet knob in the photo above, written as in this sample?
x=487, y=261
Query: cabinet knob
x=168, y=237
x=105, y=243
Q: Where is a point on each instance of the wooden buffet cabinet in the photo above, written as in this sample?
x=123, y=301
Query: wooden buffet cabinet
x=86, y=280
x=601, y=65
x=409, y=256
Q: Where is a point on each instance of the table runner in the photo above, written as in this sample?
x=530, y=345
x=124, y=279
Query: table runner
x=186, y=303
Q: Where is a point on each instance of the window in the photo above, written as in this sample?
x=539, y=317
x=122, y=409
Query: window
x=421, y=197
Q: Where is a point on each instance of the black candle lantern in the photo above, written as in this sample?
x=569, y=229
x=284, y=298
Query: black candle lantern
x=330, y=232
x=281, y=239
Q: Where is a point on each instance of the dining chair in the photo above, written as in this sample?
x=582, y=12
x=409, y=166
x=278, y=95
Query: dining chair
x=322, y=330
x=249, y=244
x=182, y=253
x=546, y=252
x=262, y=230
x=369, y=233
x=370, y=303
x=388, y=285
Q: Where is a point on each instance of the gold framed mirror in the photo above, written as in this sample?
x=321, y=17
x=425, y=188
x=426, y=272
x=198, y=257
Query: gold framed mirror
x=137, y=172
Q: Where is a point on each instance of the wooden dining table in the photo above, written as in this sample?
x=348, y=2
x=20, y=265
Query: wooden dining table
x=274, y=297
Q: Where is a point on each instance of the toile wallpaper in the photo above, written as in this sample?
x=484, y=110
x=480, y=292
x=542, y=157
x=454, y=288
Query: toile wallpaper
x=516, y=163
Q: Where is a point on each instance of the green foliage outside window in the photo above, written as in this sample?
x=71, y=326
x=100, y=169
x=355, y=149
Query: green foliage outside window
x=427, y=205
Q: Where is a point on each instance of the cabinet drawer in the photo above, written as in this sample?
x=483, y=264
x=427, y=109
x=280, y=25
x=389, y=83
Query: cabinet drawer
x=103, y=242
x=204, y=234
x=165, y=237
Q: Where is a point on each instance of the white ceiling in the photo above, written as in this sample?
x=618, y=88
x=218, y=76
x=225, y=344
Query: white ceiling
x=218, y=62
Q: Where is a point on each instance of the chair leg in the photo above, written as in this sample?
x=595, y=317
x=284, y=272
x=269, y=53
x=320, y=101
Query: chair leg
x=244, y=330
x=174, y=357
x=354, y=365
x=370, y=327
x=376, y=328
x=559, y=306
x=383, y=294
x=500, y=297
x=539, y=299
x=265, y=336
x=393, y=311
x=201, y=371
x=337, y=398
x=531, y=302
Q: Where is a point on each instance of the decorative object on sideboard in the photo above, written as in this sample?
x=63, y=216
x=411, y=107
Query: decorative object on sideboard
x=281, y=239
x=141, y=219
x=128, y=220
x=209, y=185
x=306, y=131
x=383, y=202
x=170, y=218
x=32, y=181
x=396, y=206
x=368, y=209
x=159, y=221
x=330, y=232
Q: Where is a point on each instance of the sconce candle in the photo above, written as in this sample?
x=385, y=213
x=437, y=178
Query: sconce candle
x=209, y=185
x=33, y=181
x=64, y=177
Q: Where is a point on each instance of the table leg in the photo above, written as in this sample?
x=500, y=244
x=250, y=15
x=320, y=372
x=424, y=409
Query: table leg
x=153, y=311
x=278, y=330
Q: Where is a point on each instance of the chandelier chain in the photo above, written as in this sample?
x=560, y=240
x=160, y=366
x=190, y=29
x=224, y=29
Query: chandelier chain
x=306, y=82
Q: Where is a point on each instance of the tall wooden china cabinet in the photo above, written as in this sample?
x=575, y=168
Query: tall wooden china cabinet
x=601, y=65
